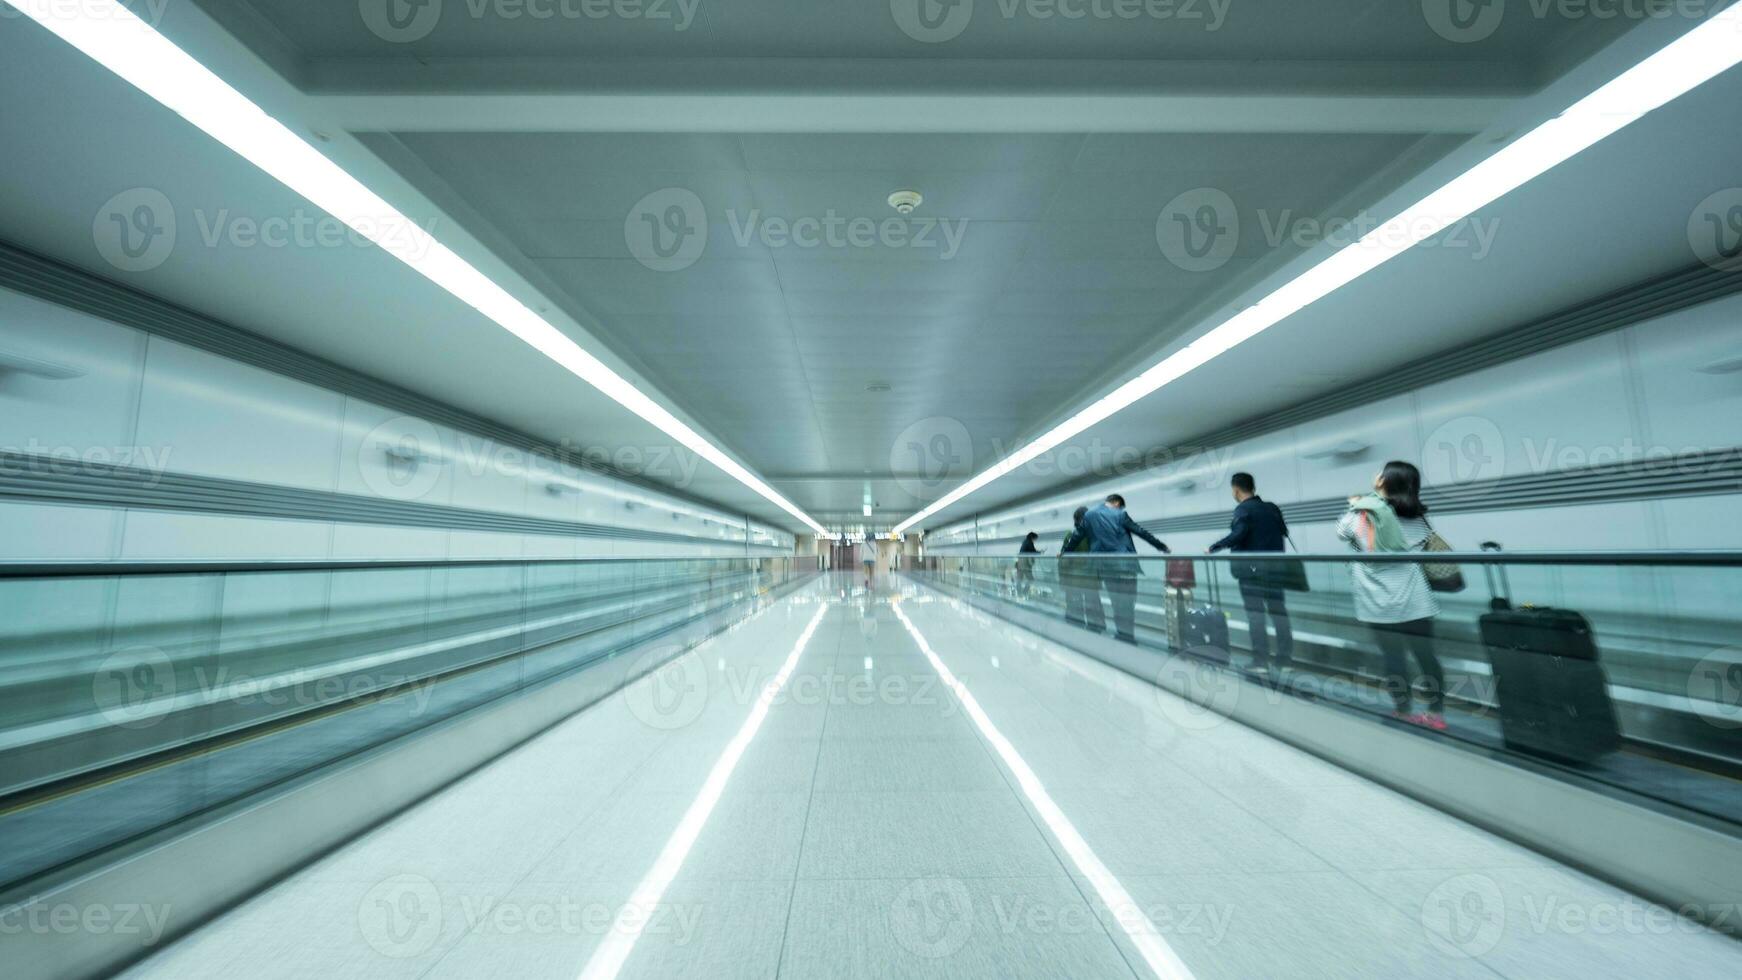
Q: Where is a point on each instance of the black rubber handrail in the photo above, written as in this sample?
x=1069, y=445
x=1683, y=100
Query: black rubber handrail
x=1702, y=559
x=101, y=569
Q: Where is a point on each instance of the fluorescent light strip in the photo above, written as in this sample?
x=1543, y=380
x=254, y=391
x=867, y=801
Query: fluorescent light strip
x=1162, y=960
x=1696, y=57
x=118, y=40
x=610, y=955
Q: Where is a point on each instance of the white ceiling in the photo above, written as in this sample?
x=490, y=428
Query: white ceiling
x=533, y=143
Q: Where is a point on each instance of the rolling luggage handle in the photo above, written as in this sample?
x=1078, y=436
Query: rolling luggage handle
x=1499, y=582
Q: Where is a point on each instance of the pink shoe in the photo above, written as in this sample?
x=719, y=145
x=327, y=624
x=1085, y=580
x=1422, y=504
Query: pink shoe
x=1435, y=722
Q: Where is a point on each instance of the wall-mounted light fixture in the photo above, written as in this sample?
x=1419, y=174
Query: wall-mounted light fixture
x=12, y=362
x=1728, y=364
x=1346, y=451
x=409, y=454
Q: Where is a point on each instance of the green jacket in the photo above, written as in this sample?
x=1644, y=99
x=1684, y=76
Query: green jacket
x=1387, y=532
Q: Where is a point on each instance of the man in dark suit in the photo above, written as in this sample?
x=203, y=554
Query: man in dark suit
x=1258, y=526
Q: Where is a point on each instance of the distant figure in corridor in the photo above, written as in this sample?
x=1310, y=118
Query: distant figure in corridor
x=1077, y=577
x=1109, y=531
x=1259, y=527
x=1025, y=565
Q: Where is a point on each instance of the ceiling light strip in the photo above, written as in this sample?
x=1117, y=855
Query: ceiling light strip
x=1696, y=57
x=120, y=41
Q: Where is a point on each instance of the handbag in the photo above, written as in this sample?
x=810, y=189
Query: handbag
x=1290, y=573
x=1442, y=576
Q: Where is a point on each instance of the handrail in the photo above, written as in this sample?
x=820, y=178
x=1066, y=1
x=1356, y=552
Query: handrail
x=1700, y=559
x=74, y=569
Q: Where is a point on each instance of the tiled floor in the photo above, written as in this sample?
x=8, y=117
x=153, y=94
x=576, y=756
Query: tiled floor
x=874, y=827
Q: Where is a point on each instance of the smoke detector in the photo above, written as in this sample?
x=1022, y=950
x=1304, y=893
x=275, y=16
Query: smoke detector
x=905, y=201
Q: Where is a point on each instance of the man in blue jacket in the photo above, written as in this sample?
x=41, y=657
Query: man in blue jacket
x=1258, y=526
x=1109, y=531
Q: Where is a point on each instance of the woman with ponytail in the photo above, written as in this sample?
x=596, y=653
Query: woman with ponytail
x=1394, y=598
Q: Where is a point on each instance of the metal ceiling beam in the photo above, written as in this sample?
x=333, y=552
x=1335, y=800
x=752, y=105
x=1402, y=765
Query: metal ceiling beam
x=842, y=96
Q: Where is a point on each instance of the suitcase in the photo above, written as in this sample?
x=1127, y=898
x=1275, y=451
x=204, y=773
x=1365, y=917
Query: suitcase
x=1182, y=574
x=1553, y=694
x=1204, y=627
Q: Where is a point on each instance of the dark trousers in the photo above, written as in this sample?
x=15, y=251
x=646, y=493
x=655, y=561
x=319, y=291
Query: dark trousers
x=1396, y=640
x=1083, y=604
x=1122, y=589
x=1267, y=602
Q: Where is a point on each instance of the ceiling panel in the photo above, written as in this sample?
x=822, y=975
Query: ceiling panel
x=1220, y=29
x=1057, y=278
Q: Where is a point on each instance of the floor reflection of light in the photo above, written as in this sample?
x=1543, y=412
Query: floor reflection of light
x=635, y=914
x=1122, y=908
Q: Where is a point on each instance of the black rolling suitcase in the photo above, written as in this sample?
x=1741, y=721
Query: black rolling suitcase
x=1553, y=694
x=1205, y=628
